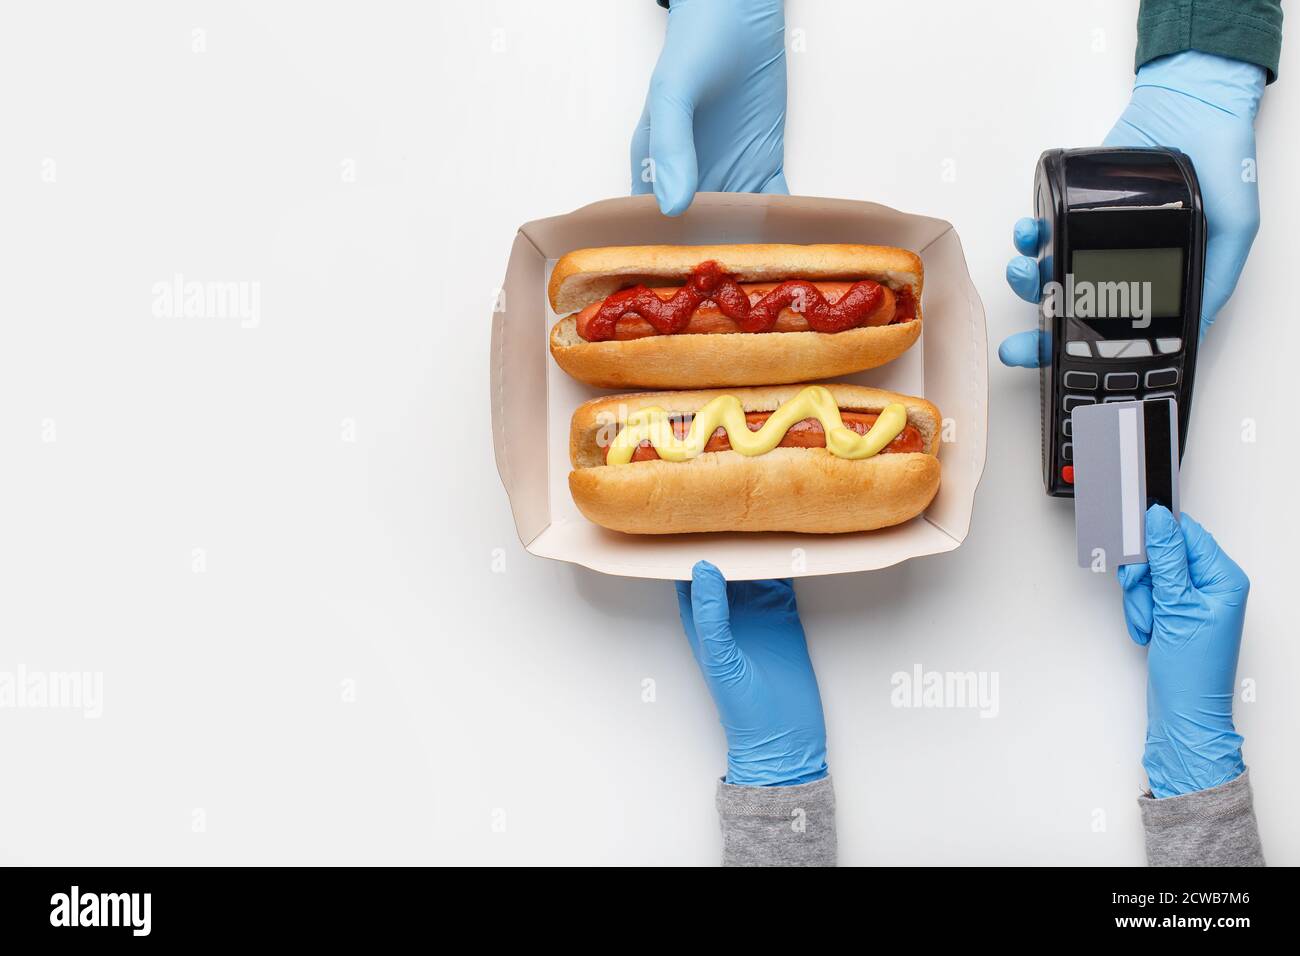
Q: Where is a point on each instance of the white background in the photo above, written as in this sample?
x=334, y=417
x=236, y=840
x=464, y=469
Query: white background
x=512, y=701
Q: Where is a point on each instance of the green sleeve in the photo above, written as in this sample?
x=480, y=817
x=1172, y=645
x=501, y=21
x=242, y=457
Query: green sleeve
x=1248, y=30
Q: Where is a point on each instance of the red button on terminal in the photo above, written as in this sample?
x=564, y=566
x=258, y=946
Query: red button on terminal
x=1067, y=474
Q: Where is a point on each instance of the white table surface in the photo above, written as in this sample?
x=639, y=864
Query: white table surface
x=368, y=667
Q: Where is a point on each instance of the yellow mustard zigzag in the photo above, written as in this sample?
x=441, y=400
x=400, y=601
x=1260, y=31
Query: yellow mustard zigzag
x=815, y=401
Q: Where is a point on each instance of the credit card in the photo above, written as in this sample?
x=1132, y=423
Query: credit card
x=1125, y=460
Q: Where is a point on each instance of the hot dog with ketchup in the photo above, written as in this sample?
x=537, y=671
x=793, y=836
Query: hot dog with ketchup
x=807, y=458
x=694, y=316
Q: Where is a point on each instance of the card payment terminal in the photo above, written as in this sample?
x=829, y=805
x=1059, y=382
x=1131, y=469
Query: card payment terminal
x=1121, y=263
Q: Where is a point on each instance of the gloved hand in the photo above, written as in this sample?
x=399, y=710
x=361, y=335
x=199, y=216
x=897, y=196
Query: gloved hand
x=1204, y=105
x=750, y=645
x=714, y=118
x=1187, y=605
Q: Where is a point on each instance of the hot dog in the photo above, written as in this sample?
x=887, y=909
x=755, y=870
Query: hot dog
x=807, y=458
x=693, y=316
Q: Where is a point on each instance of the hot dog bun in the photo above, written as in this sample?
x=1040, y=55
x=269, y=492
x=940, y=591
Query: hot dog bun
x=587, y=276
x=786, y=489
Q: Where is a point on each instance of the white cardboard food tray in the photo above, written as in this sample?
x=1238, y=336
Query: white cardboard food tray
x=532, y=399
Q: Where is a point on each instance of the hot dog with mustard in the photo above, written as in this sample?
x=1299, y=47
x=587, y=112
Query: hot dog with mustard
x=808, y=458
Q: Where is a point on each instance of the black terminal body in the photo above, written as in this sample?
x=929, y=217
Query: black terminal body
x=1121, y=232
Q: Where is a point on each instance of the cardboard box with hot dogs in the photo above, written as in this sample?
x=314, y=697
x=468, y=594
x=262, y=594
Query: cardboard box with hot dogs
x=802, y=387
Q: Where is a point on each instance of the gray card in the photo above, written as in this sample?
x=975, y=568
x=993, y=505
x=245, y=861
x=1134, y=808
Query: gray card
x=1125, y=460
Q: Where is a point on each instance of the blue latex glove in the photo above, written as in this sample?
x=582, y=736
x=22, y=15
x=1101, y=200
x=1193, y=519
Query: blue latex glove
x=750, y=646
x=715, y=116
x=1187, y=605
x=1204, y=105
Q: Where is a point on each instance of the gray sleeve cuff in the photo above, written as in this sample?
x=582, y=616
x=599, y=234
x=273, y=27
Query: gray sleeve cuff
x=1214, y=827
x=778, y=826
